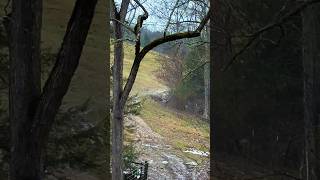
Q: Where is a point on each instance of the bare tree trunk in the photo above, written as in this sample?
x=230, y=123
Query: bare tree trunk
x=25, y=88
x=117, y=111
x=206, y=77
x=32, y=112
x=311, y=64
x=118, y=107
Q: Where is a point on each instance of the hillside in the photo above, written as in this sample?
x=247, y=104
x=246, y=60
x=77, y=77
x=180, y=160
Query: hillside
x=146, y=79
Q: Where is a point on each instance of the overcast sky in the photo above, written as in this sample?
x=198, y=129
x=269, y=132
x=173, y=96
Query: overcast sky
x=153, y=22
x=155, y=8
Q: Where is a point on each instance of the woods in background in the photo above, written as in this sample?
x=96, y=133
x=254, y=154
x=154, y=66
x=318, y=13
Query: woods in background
x=264, y=68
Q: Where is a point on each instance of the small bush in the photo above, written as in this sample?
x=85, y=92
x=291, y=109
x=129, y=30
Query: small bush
x=130, y=154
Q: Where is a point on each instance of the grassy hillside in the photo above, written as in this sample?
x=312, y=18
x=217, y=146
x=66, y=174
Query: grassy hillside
x=146, y=80
x=181, y=130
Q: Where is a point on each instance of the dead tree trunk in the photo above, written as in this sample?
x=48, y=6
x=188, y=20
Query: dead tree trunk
x=32, y=112
x=311, y=65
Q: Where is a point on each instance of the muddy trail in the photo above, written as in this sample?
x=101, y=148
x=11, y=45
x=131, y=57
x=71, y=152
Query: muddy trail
x=164, y=163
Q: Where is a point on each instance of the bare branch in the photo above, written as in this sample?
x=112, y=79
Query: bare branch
x=153, y=44
x=124, y=25
x=114, y=10
x=123, y=39
x=137, y=28
x=278, y=23
x=176, y=36
x=195, y=69
x=143, y=8
x=170, y=16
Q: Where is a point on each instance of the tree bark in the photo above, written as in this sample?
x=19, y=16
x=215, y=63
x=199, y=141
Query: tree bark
x=311, y=65
x=66, y=64
x=32, y=113
x=206, y=77
x=25, y=88
x=117, y=110
x=107, y=127
x=220, y=45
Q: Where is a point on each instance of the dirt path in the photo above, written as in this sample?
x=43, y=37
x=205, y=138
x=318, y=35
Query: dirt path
x=164, y=164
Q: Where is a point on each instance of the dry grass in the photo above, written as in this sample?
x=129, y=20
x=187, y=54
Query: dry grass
x=146, y=78
x=181, y=131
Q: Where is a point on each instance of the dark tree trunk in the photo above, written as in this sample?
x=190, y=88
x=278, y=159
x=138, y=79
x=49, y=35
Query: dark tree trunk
x=220, y=46
x=25, y=88
x=311, y=65
x=107, y=127
x=66, y=64
x=32, y=112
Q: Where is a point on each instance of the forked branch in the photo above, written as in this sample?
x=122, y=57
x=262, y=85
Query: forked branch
x=141, y=54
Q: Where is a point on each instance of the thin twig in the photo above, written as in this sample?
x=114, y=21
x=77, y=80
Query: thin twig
x=124, y=25
x=195, y=69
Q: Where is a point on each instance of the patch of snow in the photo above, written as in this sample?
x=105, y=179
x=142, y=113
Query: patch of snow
x=197, y=152
x=150, y=145
x=192, y=163
x=164, y=162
